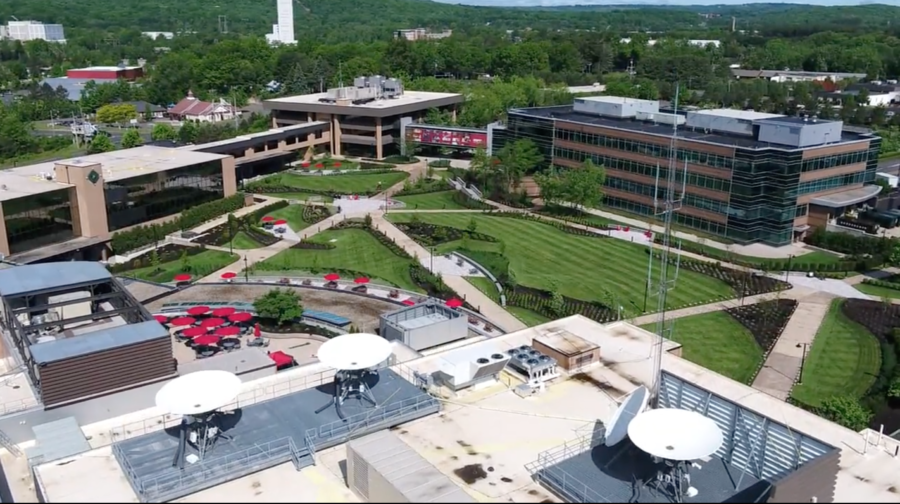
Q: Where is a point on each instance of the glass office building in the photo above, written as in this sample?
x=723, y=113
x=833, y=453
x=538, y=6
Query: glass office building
x=737, y=186
x=39, y=220
x=144, y=198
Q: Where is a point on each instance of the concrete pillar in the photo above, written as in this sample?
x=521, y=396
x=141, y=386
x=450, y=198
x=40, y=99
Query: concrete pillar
x=229, y=177
x=335, y=136
x=4, y=240
x=282, y=145
x=274, y=122
x=89, y=203
x=379, y=149
x=453, y=114
x=249, y=152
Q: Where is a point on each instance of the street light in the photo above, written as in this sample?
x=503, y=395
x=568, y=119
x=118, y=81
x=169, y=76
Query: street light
x=231, y=238
x=246, y=271
x=805, y=347
x=432, y=260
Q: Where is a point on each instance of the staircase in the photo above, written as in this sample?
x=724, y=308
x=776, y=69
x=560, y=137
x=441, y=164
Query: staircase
x=9, y=445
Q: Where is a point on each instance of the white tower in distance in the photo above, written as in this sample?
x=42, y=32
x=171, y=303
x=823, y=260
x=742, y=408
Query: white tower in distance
x=283, y=32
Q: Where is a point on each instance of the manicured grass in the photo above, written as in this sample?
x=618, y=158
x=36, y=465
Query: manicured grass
x=345, y=184
x=544, y=257
x=293, y=214
x=844, y=360
x=202, y=264
x=442, y=200
x=527, y=316
x=243, y=241
x=486, y=286
x=717, y=342
x=300, y=196
x=355, y=250
x=878, y=291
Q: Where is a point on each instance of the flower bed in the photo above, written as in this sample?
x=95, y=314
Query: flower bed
x=766, y=320
x=542, y=302
x=743, y=283
x=431, y=234
x=221, y=235
x=313, y=214
x=167, y=253
x=306, y=244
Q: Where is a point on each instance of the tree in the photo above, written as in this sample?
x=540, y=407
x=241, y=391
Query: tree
x=282, y=306
x=188, y=132
x=845, y=411
x=116, y=113
x=584, y=186
x=100, y=143
x=154, y=260
x=162, y=132
x=515, y=160
x=551, y=185
x=473, y=225
x=131, y=138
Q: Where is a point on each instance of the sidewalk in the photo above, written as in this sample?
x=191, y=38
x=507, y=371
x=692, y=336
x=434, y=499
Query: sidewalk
x=494, y=312
x=782, y=366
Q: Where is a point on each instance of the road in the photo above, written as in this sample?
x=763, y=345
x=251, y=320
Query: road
x=891, y=166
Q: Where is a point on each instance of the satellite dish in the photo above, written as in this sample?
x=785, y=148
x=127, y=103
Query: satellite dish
x=351, y=352
x=631, y=407
x=200, y=392
x=675, y=434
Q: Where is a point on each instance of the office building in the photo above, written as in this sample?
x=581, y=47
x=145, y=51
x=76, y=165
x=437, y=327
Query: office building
x=414, y=34
x=283, y=32
x=751, y=177
x=68, y=209
x=24, y=31
x=124, y=72
x=364, y=119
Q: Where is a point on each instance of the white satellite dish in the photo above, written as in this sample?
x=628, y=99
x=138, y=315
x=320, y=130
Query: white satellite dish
x=675, y=434
x=200, y=392
x=352, y=352
x=633, y=404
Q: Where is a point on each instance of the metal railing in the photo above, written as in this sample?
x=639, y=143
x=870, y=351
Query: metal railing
x=250, y=397
x=546, y=468
x=341, y=430
x=18, y=405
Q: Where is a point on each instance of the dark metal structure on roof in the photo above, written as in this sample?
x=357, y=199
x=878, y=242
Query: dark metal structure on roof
x=79, y=333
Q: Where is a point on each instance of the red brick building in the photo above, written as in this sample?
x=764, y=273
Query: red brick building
x=129, y=73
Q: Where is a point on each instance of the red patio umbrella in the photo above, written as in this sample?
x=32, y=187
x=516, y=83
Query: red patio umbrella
x=226, y=311
x=332, y=277
x=240, y=317
x=280, y=222
x=206, y=339
x=228, y=275
x=454, y=303
x=305, y=164
x=256, y=332
x=336, y=164
x=182, y=277
x=361, y=280
x=198, y=310
x=212, y=322
x=162, y=319
x=268, y=218
x=319, y=165
x=227, y=331
x=182, y=321
x=281, y=359
x=193, y=332
x=408, y=302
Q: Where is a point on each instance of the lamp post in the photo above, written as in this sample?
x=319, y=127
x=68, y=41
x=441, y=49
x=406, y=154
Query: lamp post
x=432, y=260
x=805, y=347
x=231, y=237
x=787, y=272
x=246, y=271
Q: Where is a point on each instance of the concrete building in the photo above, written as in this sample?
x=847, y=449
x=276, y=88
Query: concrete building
x=487, y=441
x=424, y=326
x=364, y=119
x=24, y=31
x=106, y=73
x=794, y=76
x=283, y=31
x=68, y=209
x=413, y=34
x=751, y=177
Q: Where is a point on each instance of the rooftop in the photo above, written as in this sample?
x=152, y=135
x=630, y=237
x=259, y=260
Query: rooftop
x=848, y=197
x=407, y=98
x=22, y=280
x=567, y=114
x=117, y=165
x=483, y=436
x=104, y=68
x=747, y=115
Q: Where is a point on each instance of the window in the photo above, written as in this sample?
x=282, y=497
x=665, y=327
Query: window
x=37, y=221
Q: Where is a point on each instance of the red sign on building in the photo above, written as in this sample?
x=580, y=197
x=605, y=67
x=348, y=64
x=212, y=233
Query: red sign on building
x=450, y=138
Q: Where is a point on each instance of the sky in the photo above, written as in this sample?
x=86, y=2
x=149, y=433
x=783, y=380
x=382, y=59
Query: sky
x=558, y=3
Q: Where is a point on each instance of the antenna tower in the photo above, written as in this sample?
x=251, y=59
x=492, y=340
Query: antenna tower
x=630, y=69
x=665, y=205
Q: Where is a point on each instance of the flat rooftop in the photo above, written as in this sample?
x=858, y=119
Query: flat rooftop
x=748, y=115
x=117, y=165
x=483, y=437
x=104, y=68
x=423, y=98
x=566, y=113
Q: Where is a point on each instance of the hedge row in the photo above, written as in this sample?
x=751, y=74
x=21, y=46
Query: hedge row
x=137, y=237
x=882, y=283
x=426, y=188
x=256, y=216
x=795, y=264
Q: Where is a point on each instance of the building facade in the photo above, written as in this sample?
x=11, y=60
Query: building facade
x=129, y=73
x=747, y=177
x=33, y=30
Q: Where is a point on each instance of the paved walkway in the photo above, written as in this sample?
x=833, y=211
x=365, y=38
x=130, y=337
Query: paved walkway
x=782, y=366
x=475, y=297
x=795, y=293
x=872, y=275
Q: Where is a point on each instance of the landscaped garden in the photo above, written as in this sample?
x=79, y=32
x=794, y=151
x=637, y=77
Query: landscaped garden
x=240, y=233
x=556, y=270
x=888, y=287
x=328, y=164
x=294, y=186
x=435, y=194
x=302, y=216
x=163, y=264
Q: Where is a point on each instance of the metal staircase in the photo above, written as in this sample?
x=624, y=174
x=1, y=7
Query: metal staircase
x=9, y=445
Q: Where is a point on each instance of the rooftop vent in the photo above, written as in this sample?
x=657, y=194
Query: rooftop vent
x=482, y=360
x=497, y=356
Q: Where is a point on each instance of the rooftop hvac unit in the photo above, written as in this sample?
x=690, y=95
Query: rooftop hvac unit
x=465, y=367
x=376, y=82
x=392, y=88
x=361, y=82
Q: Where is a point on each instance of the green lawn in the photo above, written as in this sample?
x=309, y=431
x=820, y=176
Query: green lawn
x=293, y=214
x=243, y=241
x=485, y=285
x=527, y=316
x=581, y=267
x=202, y=264
x=442, y=200
x=717, y=342
x=844, y=360
x=345, y=184
x=300, y=196
x=878, y=291
x=356, y=250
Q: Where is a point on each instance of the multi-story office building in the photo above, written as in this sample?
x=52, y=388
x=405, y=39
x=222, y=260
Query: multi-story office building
x=751, y=177
x=34, y=30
